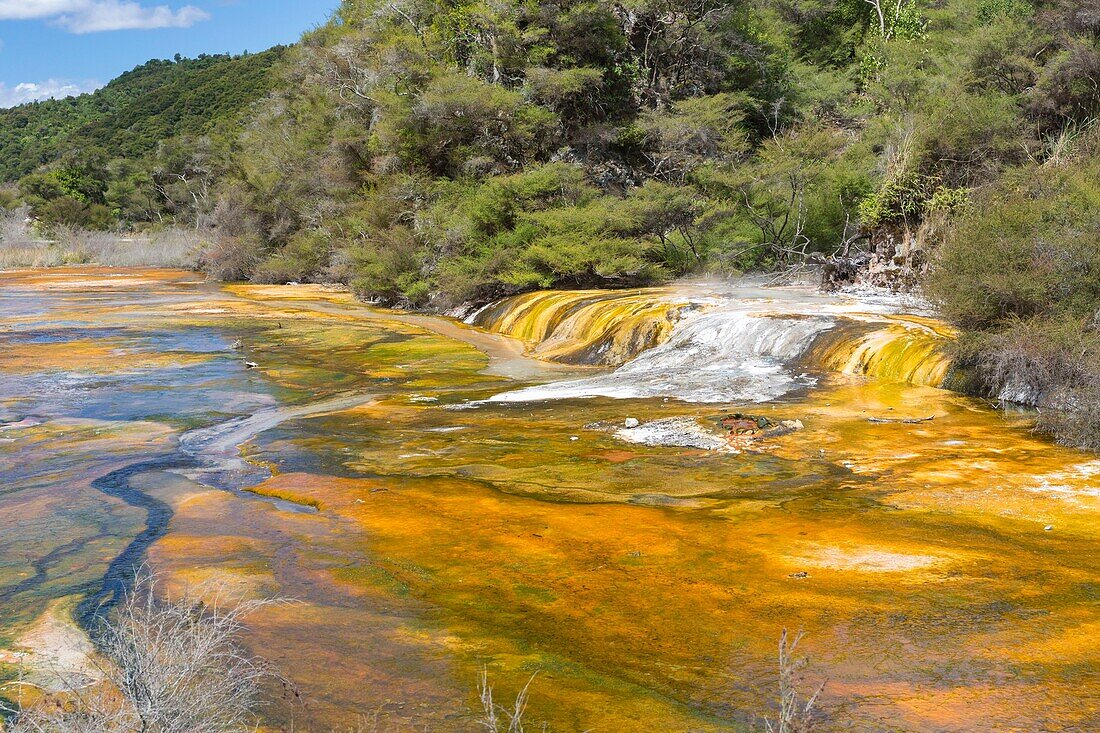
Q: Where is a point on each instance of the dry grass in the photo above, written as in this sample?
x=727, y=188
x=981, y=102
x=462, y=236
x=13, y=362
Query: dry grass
x=20, y=247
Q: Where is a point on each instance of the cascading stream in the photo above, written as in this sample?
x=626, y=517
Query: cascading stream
x=711, y=357
x=724, y=344
x=901, y=350
x=591, y=327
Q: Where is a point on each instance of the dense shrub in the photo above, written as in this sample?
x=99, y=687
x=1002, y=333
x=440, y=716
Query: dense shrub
x=387, y=267
x=306, y=256
x=1021, y=273
x=232, y=258
x=1032, y=248
x=454, y=153
x=69, y=212
x=1068, y=88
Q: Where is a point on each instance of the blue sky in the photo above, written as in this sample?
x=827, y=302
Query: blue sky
x=60, y=47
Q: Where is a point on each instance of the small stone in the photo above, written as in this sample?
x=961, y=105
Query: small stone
x=738, y=424
x=1048, y=528
x=631, y=422
x=573, y=437
x=799, y=575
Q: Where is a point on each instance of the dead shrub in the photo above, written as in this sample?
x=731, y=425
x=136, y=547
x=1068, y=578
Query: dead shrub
x=1052, y=363
x=230, y=258
x=168, y=665
x=499, y=718
x=795, y=714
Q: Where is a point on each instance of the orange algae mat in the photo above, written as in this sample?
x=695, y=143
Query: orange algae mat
x=946, y=573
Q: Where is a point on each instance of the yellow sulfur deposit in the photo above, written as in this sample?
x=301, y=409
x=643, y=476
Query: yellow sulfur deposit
x=584, y=326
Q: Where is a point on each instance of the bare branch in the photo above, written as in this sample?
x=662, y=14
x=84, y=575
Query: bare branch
x=169, y=665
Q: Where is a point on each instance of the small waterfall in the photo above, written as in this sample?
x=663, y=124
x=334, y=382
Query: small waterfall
x=896, y=349
x=590, y=327
x=739, y=344
x=712, y=356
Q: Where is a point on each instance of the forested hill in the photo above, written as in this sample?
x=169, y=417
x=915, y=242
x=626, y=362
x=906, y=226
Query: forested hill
x=133, y=113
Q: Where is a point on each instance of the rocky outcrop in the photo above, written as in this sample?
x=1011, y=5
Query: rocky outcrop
x=897, y=260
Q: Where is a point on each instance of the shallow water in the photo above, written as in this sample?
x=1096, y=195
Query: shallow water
x=446, y=532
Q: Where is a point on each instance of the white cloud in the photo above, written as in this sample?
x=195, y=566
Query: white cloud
x=27, y=9
x=92, y=16
x=30, y=91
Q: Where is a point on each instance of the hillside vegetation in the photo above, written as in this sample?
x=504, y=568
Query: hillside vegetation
x=113, y=156
x=434, y=153
x=1021, y=275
